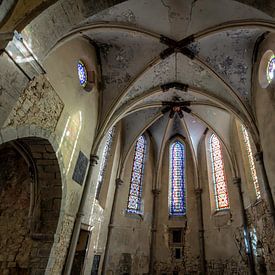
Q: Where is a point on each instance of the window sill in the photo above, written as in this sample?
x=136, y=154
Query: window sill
x=221, y=212
x=177, y=218
x=135, y=216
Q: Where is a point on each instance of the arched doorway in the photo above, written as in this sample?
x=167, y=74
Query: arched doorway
x=30, y=200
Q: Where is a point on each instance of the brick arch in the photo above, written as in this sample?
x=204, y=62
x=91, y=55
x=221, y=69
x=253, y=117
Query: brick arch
x=45, y=219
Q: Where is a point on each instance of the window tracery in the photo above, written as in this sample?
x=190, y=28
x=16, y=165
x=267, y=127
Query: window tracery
x=252, y=167
x=176, y=179
x=104, y=161
x=135, y=193
x=218, y=174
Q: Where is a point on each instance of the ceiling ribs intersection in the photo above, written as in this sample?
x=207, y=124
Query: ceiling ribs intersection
x=174, y=46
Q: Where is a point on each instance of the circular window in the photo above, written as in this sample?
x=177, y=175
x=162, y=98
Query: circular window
x=270, y=70
x=267, y=69
x=82, y=74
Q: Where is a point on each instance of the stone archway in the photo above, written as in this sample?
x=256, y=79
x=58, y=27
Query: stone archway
x=30, y=202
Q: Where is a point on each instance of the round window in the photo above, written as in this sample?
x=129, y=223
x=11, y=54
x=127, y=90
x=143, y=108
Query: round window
x=270, y=70
x=267, y=69
x=82, y=74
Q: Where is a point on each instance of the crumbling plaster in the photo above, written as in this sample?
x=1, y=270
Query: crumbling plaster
x=264, y=105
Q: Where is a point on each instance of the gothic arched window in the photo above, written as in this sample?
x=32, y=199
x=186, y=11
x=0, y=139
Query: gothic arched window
x=176, y=179
x=218, y=174
x=104, y=161
x=135, y=193
x=253, y=172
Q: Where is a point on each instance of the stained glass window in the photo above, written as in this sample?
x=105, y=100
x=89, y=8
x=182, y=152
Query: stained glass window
x=105, y=155
x=82, y=73
x=176, y=182
x=270, y=68
x=135, y=193
x=218, y=174
x=254, y=241
x=251, y=163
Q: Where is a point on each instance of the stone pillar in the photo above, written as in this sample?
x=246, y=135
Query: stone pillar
x=79, y=216
x=156, y=193
x=198, y=193
x=118, y=182
x=237, y=182
x=270, y=201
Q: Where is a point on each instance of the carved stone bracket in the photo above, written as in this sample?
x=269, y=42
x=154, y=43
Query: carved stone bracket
x=259, y=157
x=156, y=192
x=198, y=191
x=119, y=182
x=236, y=181
x=93, y=160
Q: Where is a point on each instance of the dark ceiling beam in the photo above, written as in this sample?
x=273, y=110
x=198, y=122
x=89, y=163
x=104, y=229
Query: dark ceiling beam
x=177, y=46
x=176, y=107
x=174, y=85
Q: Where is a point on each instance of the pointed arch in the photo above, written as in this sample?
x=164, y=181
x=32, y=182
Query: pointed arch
x=135, y=192
x=176, y=198
x=218, y=174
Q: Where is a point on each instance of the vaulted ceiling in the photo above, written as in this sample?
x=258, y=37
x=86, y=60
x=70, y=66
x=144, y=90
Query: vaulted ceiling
x=155, y=52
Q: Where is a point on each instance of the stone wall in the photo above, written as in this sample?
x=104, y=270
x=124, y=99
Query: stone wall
x=38, y=105
x=166, y=261
x=260, y=219
x=30, y=205
x=15, y=242
x=129, y=250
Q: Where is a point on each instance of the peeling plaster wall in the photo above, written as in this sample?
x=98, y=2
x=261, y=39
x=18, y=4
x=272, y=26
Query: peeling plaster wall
x=95, y=215
x=69, y=122
x=165, y=262
x=37, y=105
x=12, y=84
x=257, y=213
x=223, y=231
x=131, y=234
x=264, y=106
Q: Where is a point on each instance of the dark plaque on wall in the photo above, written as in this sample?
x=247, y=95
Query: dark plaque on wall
x=80, y=168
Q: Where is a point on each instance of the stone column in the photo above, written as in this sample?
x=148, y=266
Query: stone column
x=118, y=183
x=79, y=216
x=237, y=182
x=156, y=193
x=270, y=201
x=198, y=193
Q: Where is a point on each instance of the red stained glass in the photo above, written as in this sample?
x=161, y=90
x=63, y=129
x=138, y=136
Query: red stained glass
x=219, y=179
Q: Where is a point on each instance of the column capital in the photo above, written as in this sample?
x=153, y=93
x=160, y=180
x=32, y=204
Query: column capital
x=93, y=160
x=198, y=191
x=5, y=38
x=236, y=180
x=119, y=182
x=259, y=156
x=156, y=192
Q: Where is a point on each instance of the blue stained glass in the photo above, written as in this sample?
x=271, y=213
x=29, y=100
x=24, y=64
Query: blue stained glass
x=82, y=73
x=176, y=186
x=135, y=193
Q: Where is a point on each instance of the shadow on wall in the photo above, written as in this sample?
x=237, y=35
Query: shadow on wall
x=30, y=200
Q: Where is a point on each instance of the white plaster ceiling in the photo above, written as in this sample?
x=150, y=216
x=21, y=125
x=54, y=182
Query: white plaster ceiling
x=127, y=35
